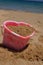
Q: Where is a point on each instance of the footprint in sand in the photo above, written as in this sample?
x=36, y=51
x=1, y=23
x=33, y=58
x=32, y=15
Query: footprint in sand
x=40, y=38
x=38, y=22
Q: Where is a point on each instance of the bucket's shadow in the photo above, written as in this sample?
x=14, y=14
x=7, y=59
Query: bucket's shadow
x=13, y=50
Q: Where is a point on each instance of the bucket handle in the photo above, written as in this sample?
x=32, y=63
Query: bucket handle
x=2, y=29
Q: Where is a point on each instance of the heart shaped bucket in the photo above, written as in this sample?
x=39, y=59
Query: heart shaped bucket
x=14, y=40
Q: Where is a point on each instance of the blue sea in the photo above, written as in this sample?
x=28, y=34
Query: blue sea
x=22, y=5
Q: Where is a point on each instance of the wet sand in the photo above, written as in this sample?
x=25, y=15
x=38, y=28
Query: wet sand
x=33, y=54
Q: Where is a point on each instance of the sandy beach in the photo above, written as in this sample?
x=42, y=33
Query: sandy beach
x=33, y=54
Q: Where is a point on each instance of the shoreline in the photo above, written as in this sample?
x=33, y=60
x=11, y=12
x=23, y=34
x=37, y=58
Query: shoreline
x=21, y=10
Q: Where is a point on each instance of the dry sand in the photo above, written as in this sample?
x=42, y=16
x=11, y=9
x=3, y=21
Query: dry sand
x=33, y=54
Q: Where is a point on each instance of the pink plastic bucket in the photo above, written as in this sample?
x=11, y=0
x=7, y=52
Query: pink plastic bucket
x=13, y=40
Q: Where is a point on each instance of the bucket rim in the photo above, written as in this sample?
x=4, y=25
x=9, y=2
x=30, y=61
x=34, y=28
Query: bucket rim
x=24, y=37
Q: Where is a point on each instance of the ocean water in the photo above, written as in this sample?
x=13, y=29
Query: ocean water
x=22, y=5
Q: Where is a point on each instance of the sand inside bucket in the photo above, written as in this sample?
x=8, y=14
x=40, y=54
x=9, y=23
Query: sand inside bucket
x=21, y=29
